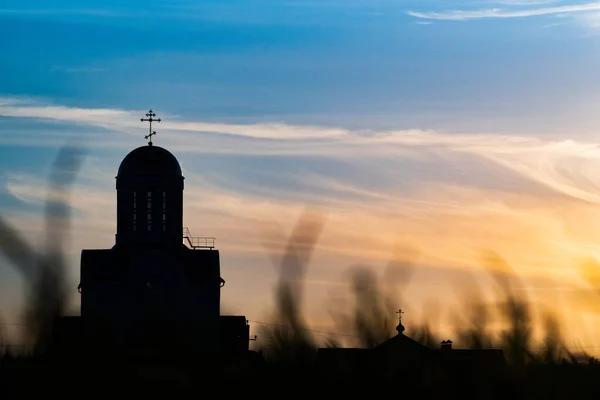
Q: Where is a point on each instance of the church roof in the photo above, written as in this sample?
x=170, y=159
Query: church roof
x=400, y=342
x=150, y=160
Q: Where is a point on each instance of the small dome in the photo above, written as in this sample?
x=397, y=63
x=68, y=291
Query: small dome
x=150, y=160
x=400, y=328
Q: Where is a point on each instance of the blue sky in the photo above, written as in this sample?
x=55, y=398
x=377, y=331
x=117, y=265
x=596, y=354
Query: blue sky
x=432, y=118
x=291, y=61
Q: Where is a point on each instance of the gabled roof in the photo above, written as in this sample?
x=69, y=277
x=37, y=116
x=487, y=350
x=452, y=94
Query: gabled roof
x=400, y=342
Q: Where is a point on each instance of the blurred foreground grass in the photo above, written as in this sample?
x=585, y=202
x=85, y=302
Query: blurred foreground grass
x=289, y=348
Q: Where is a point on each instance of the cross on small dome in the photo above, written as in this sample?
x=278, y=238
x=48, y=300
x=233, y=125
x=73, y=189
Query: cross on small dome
x=150, y=114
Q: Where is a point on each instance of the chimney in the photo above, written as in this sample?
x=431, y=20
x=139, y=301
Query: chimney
x=446, y=345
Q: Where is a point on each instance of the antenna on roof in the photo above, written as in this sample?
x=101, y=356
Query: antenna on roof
x=150, y=114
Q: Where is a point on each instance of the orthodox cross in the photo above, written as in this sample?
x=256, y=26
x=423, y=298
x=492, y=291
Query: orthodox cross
x=150, y=114
x=400, y=312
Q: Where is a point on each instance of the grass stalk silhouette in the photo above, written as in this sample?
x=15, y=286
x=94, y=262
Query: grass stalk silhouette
x=371, y=317
x=45, y=272
x=291, y=341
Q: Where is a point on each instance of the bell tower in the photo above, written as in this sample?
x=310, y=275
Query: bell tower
x=149, y=196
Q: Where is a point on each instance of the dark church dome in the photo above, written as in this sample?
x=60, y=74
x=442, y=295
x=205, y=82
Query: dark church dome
x=150, y=160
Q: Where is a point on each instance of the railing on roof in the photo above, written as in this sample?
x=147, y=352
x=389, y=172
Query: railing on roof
x=198, y=242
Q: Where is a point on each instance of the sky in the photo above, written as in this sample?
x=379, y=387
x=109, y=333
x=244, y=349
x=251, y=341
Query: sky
x=428, y=130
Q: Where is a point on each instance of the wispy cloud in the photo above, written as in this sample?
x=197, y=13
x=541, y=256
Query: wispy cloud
x=550, y=163
x=463, y=15
x=589, y=20
x=563, y=166
x=120, y=119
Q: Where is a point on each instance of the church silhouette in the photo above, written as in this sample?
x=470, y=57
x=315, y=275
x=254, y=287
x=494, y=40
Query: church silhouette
x=151, y=291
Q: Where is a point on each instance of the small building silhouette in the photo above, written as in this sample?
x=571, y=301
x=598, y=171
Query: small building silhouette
x=403, y=358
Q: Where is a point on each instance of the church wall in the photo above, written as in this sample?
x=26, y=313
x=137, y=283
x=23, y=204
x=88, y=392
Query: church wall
x=203, y=276
x=174, y=289
x=102, y=290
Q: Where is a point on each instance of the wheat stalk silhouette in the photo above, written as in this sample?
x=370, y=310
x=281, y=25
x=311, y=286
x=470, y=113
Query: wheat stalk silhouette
x=44, y=271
